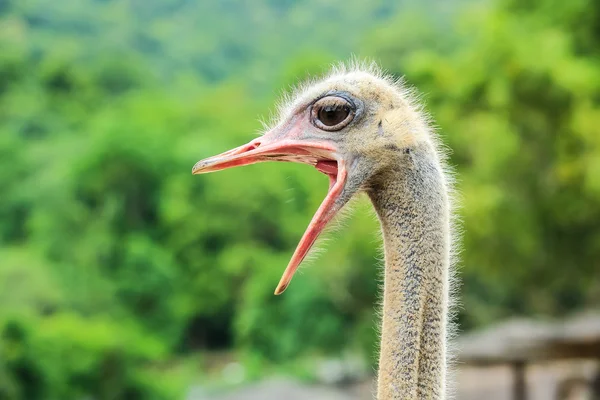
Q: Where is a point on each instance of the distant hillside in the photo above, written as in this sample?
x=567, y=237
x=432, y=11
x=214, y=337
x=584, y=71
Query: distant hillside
x=204, y=36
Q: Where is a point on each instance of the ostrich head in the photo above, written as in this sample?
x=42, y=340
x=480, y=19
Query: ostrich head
x=353, y=126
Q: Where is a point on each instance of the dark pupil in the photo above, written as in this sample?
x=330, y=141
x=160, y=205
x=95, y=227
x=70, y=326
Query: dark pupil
x=333, y=114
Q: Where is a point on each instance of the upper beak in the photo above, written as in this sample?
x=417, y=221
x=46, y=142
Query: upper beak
x=268, y=148
x=257, y=151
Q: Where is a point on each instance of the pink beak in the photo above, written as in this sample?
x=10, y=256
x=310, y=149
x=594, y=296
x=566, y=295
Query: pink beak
x=271, y=147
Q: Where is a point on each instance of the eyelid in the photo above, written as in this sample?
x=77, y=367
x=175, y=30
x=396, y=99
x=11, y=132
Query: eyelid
x=334, y=100
x=355, y=103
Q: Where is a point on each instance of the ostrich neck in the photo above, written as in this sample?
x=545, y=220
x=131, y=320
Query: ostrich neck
x=412, y=206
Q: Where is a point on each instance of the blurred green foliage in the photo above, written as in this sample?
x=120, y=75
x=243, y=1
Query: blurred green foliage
x=116, y=264
x=519, y=104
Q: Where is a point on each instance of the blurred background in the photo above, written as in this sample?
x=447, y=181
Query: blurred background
x=122, y=276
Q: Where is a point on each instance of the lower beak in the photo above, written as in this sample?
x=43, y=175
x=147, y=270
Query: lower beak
x=321, y=155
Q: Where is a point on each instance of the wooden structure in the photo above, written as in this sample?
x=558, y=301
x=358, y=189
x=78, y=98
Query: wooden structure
x=520, y=342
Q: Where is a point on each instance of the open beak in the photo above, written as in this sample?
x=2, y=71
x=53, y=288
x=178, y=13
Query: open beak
x=319, y=154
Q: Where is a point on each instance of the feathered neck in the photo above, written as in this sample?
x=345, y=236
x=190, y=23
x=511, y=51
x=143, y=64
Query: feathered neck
x=413, y=208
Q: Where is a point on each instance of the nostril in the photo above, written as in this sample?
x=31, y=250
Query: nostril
x=255, y=145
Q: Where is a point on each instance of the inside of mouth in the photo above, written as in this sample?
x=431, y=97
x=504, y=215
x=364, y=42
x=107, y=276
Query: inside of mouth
x=329, y=168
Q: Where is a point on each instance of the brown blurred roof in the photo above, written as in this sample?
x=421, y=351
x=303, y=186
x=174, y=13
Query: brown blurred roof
x=524, y=340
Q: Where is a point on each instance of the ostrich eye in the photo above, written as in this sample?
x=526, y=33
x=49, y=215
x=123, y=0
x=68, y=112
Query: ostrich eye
x=332, y=113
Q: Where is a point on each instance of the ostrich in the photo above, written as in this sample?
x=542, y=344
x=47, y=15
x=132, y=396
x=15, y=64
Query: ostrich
x=365, y=131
